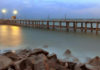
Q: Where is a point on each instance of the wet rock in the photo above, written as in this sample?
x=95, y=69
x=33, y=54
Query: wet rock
x=83, y=67
x=41, y=63
x=24, y=64
x=38, y=51
x=94, y=64
x=24, y=53
x=78, y=66
x=52, y=56
x=69, y=57
x=39, y=59
x=11, y=68
x=56, y=64
x=71, y=65
x=5, y=62
x=95, y=61
x=12, y=55
x=67, y=52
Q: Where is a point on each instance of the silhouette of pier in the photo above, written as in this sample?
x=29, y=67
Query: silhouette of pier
x=76, y=24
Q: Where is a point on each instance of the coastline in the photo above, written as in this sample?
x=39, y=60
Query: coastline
x=39, y=59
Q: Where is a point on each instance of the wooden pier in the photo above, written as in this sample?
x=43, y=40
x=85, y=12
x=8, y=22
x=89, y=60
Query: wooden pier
x=83, y=25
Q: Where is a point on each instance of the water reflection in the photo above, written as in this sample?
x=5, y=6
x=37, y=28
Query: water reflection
x=10, y=35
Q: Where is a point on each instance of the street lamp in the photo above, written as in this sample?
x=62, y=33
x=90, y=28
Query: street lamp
x=3, y=11
x=15, y=12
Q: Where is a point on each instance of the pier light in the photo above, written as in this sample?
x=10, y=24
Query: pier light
x=4, y=11
x=15, y=12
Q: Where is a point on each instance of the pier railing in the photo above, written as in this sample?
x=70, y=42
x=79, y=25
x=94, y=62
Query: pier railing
x=82, y=24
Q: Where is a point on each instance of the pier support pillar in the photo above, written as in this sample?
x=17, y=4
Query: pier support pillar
x=20, y=21
x=53, y=25
x=28, y=23
x=81, y=26
x=75, y=26
x=60, y=24
x=35, y=24
x=39, y=24
x=97, y=25
x=86, y=27
x=47, y=24
x=42, y=26
x=91, y=27
x=67, y=26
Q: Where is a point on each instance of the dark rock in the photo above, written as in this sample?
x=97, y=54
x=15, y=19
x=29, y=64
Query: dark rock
x=5, y=62
x=71, y=65
x=54, y=56
x=67, y=52
x=84, y=67
x=24, y=53
x=38, y=51
x=94, y=64
x=95, y=61
x=12, y=56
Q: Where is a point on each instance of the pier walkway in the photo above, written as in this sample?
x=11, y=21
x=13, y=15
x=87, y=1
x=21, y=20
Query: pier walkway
x=76, y=24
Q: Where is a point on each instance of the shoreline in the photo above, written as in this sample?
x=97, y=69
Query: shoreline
x=39, y=59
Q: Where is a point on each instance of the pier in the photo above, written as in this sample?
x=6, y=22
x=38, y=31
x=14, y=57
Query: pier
x=83, y=25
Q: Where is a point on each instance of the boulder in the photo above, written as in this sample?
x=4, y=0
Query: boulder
x=12, y=56
x=5, y=62
x=38, y=51
x=69, y=57
x=23, y=53
x=94, y=64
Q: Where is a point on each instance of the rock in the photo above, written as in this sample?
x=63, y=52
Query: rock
x=69, y=57
x=83, y=67
x=67, y=52
x=71, y=65
x=41, y=62
x=52, y=56
x=55, y=64
x=24, y=64
x=95, y=61
x=5, y=62
x=94, y=64
x=24, y=53
x=35, y=62
x=39, y=59
x=38, y=51
x=11, y=68
x=78, y=66
x=12, y=56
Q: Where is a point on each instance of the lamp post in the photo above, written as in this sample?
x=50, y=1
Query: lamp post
x=3, y=11
x=15, y=12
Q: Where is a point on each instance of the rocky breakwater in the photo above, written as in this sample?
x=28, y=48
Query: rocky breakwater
x=39, y=59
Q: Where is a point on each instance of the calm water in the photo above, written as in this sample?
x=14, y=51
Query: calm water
x=81, y=44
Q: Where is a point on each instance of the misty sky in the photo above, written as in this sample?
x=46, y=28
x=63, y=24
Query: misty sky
x=54, y=8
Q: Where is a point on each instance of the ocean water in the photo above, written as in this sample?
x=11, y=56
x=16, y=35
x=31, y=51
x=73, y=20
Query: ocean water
x=80, y=43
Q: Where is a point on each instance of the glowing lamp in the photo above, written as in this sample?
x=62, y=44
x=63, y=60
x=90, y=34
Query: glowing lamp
x=15, y=12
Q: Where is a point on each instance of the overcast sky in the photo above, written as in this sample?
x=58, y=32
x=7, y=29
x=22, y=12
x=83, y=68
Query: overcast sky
x=32, y=9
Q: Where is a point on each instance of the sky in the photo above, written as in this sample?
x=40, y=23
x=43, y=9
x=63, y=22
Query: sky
x=42, y=9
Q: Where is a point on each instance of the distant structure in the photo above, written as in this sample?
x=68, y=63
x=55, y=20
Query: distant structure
x=13, y=17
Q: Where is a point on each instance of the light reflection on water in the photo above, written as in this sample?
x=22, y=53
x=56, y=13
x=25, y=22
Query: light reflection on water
x=10, y=35
x=81, y=44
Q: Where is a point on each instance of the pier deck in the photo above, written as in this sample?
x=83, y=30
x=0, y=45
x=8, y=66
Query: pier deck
x=82, y=24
